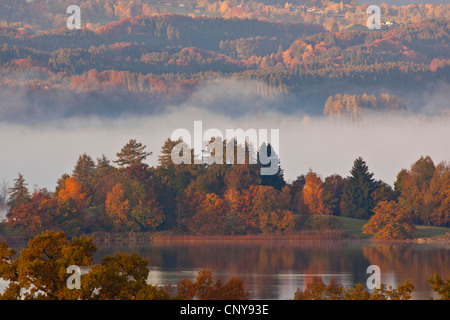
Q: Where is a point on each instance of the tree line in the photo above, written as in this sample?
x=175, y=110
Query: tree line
x=351, y=107
x=126, y=195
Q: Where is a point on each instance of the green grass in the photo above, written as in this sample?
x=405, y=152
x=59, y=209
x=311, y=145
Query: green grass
x=353, y=227
x=431, y=232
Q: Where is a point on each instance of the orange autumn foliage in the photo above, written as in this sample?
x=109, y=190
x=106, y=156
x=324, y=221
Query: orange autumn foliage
x=210, y=218
x=204, y=288
x=32, y=215
x=390, y=221
x=313, y=194
x=73, y=191
x=117, y=207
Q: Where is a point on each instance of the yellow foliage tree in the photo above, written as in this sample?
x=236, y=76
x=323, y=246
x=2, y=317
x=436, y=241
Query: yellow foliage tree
x=389, y=222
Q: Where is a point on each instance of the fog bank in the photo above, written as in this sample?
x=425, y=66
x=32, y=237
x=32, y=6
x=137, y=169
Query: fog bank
x=387, y=143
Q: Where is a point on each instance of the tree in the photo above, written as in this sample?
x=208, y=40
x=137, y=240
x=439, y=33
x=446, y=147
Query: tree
x=333, y=190
x=117, y=207
x=358, y=199
x=204, y=288
x=73, y=190
x=383, y=192
x=210, y=217
x=33, y=216
x=440, y=286
x=276, y=221
x=18, y=194
x=165, y=159
x=61, y=182
x=270, y=215
x=84, y=172
x=132, y=153
x=440, y=186
x=390, y=222
x=298, y=200
x=102, y=168
x=241, y=176
x=120, y=277
x=70, y=206
x=416, y=194
x=40, y=270
x=402, y=292
x=4, y=193
x=146, y=217
x=422, y=171
x=276, y=180
x=313, y=194
x=241, y=218
x=318, y=290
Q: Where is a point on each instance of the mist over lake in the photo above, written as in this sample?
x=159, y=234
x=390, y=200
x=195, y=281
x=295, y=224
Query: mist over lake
x=387, y=142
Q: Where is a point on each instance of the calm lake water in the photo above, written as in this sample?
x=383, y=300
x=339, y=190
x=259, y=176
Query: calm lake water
x=275, y=271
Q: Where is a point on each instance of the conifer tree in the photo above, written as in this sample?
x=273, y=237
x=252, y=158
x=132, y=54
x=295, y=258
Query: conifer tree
x=358, y=197
x=84, y=172
x=277, y=180
x=131, y=154
x=19, y=193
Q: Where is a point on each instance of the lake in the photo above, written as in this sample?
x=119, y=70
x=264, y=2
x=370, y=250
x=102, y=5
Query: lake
x=275, y=271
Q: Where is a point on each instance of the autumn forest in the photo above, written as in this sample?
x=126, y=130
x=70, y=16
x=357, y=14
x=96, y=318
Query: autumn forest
x=313, y=68
x=126, y=195
x=143, y=61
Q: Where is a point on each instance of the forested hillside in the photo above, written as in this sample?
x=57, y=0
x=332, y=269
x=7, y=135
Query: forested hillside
x=144, y=63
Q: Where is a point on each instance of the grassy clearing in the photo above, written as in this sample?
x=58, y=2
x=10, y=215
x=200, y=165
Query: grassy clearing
x=431, y=232
x=353, y=227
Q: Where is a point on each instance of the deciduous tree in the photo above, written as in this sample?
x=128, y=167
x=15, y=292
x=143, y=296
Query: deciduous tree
x=390, y=221
x=117, y=207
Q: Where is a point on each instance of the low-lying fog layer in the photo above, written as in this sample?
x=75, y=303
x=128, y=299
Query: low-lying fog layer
x=387, y=142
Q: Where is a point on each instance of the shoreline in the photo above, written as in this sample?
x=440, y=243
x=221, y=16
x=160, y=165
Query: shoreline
x=329, y=235
x=167, y=239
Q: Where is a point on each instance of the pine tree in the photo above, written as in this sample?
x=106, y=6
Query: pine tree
x=358, y=192
x=277, y=180
x=132, y=153
x=165, y=159
x=103, y=167
x=18, y=194
x=84, y=172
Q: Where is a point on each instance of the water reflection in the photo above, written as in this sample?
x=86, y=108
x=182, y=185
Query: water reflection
x=275, y=271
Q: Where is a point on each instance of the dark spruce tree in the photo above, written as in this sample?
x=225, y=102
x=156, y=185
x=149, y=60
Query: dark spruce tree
x=358, y=198
x=276, y=180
